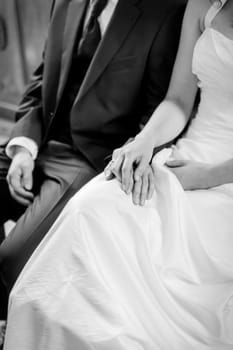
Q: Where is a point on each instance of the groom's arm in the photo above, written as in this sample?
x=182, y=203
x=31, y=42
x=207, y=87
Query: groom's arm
x=160, y=62
x=28, y=130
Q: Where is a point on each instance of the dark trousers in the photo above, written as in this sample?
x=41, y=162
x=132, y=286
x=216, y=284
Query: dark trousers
x=59, y=174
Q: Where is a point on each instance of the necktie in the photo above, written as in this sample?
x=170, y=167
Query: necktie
x=91, y=33
x=82, y=57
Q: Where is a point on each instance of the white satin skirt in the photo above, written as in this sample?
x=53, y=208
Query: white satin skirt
x=114, y=276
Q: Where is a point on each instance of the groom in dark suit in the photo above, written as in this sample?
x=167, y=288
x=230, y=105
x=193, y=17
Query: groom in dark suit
x=106, y=66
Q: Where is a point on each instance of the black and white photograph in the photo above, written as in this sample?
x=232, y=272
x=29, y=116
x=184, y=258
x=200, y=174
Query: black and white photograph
x=116, y=174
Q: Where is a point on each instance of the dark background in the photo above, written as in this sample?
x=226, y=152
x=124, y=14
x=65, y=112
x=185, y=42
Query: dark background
x=23, y=28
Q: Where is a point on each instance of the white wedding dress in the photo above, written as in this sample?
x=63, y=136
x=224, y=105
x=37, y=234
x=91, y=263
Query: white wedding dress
x=113, y=276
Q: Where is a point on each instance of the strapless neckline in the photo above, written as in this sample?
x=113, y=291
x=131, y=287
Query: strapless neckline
x=215, y=32
x=220, y=34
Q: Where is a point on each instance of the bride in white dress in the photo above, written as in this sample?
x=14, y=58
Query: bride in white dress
x=114, y=276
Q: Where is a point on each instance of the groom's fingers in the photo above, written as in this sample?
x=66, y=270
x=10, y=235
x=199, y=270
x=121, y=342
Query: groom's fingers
x=151, y=185
x=130, y=185
x=126, y=172
x=147, y=187
x=140, y=168
x=144, y=188
x=136, y=194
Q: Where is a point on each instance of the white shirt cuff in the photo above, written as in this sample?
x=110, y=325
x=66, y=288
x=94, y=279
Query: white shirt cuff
x=22, y=141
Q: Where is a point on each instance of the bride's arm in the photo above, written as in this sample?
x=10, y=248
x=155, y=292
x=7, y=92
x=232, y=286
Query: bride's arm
x=222, y=173
x=170, y=118
x=196, y=175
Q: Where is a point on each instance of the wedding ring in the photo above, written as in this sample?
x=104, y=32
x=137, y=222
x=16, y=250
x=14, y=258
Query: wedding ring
x=218, y=4
x=111, y=162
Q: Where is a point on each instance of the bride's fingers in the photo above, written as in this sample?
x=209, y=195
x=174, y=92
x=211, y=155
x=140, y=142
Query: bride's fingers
x=116, y=167
x=116, y=153
x=108, y=173
x=113, y=169
x=176, y=163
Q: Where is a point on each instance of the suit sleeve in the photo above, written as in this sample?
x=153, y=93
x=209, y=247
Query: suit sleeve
x=29, y=117
x=160, y=62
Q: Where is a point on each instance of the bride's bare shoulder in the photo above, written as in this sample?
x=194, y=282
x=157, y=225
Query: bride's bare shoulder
x=198, y=10
x=200, y=5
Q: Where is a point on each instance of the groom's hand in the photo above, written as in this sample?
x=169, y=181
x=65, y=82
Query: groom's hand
x=19, y=176
x=192, y=175
x=143, y=188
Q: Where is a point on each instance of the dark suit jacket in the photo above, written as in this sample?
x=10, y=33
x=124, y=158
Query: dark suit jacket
x=128, y=77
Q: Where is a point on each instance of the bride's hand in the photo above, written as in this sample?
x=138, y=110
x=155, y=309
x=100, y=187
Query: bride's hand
x=130, y=161
x=192, y=175
x=142, y=189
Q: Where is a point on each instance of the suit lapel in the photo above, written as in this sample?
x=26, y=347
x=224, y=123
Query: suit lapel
x=125, y=16
x=73, y=21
